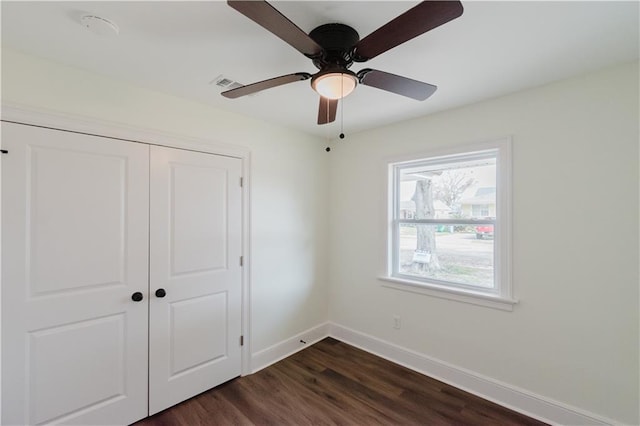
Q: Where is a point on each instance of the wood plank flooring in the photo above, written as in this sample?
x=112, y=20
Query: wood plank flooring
x=332, y=383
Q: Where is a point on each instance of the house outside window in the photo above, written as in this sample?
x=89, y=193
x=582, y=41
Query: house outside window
x=479, y=210
x=449, y=224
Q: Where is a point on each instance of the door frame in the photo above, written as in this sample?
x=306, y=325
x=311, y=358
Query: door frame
x=55, y=120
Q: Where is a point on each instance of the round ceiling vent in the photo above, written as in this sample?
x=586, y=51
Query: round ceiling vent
x=100, y=26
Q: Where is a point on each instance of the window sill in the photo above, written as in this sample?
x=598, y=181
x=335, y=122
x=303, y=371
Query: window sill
x=495, y=302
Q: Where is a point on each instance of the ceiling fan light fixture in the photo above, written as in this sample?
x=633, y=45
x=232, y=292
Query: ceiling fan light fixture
x=334, y=84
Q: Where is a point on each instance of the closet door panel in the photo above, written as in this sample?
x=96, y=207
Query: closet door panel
x=198, y=223
x=75, y=248
x=82, y=246
x=195, y=249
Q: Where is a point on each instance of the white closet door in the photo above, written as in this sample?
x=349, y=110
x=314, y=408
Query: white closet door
x=74, y=250
x=195, y=247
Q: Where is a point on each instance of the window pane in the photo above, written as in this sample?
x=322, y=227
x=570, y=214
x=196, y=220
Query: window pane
x=450, y=191
x=456, y=253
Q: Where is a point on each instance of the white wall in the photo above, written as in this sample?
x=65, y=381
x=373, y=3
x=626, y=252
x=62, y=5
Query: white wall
x=574, y=337
x=288, y=180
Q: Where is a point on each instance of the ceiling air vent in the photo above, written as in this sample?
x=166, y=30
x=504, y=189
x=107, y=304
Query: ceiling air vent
x=225, y=83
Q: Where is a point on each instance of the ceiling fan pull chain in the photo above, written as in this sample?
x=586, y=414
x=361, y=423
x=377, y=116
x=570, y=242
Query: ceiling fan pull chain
x=342, y=111
x=342, y=108
x=328, y=149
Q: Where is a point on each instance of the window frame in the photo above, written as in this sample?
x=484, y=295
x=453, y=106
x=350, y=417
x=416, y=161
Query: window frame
x=501, y=296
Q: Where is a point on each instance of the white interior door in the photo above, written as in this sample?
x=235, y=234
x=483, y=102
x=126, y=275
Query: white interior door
x=195, y=248
x=74, y=250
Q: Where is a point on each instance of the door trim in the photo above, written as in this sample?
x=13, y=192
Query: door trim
x=55, y=120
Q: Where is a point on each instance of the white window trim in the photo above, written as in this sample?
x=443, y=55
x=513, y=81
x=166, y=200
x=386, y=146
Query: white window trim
x=504, y=299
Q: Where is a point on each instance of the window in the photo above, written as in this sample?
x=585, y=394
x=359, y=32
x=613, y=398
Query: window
x=449, y=225
x=480, y=210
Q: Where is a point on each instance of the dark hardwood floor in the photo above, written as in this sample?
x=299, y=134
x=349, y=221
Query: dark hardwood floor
x=332, y=383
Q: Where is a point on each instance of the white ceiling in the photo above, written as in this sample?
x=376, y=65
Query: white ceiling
x=179, y=47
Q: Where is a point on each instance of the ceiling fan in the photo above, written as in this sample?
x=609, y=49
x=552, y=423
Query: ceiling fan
x=333, y=48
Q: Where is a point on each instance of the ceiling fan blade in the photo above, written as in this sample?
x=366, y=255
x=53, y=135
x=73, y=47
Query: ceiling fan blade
x=414, y=22
x=265, y=84
x=327, y=110
x=270, y=19
x=396, y=84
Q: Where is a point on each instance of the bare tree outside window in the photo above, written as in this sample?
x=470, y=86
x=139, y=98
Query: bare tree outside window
x=446, y=186
x=426, y=257
x=451, y=185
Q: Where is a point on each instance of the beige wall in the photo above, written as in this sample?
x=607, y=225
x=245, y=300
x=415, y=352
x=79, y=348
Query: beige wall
x=574, y=336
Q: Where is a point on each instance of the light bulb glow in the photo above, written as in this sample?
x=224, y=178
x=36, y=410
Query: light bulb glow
x=334, y=85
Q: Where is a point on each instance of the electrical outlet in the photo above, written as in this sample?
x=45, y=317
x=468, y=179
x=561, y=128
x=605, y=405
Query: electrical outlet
x=396, y=322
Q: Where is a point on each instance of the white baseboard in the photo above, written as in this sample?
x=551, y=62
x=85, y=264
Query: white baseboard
x=512, y=397
x=288, y=347
x=509, y=396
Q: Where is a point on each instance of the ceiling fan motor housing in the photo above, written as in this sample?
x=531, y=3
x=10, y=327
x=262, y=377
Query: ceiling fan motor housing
x=337, y=41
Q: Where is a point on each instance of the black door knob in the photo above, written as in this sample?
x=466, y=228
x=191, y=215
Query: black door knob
x=137, y=296
x=160, y=292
